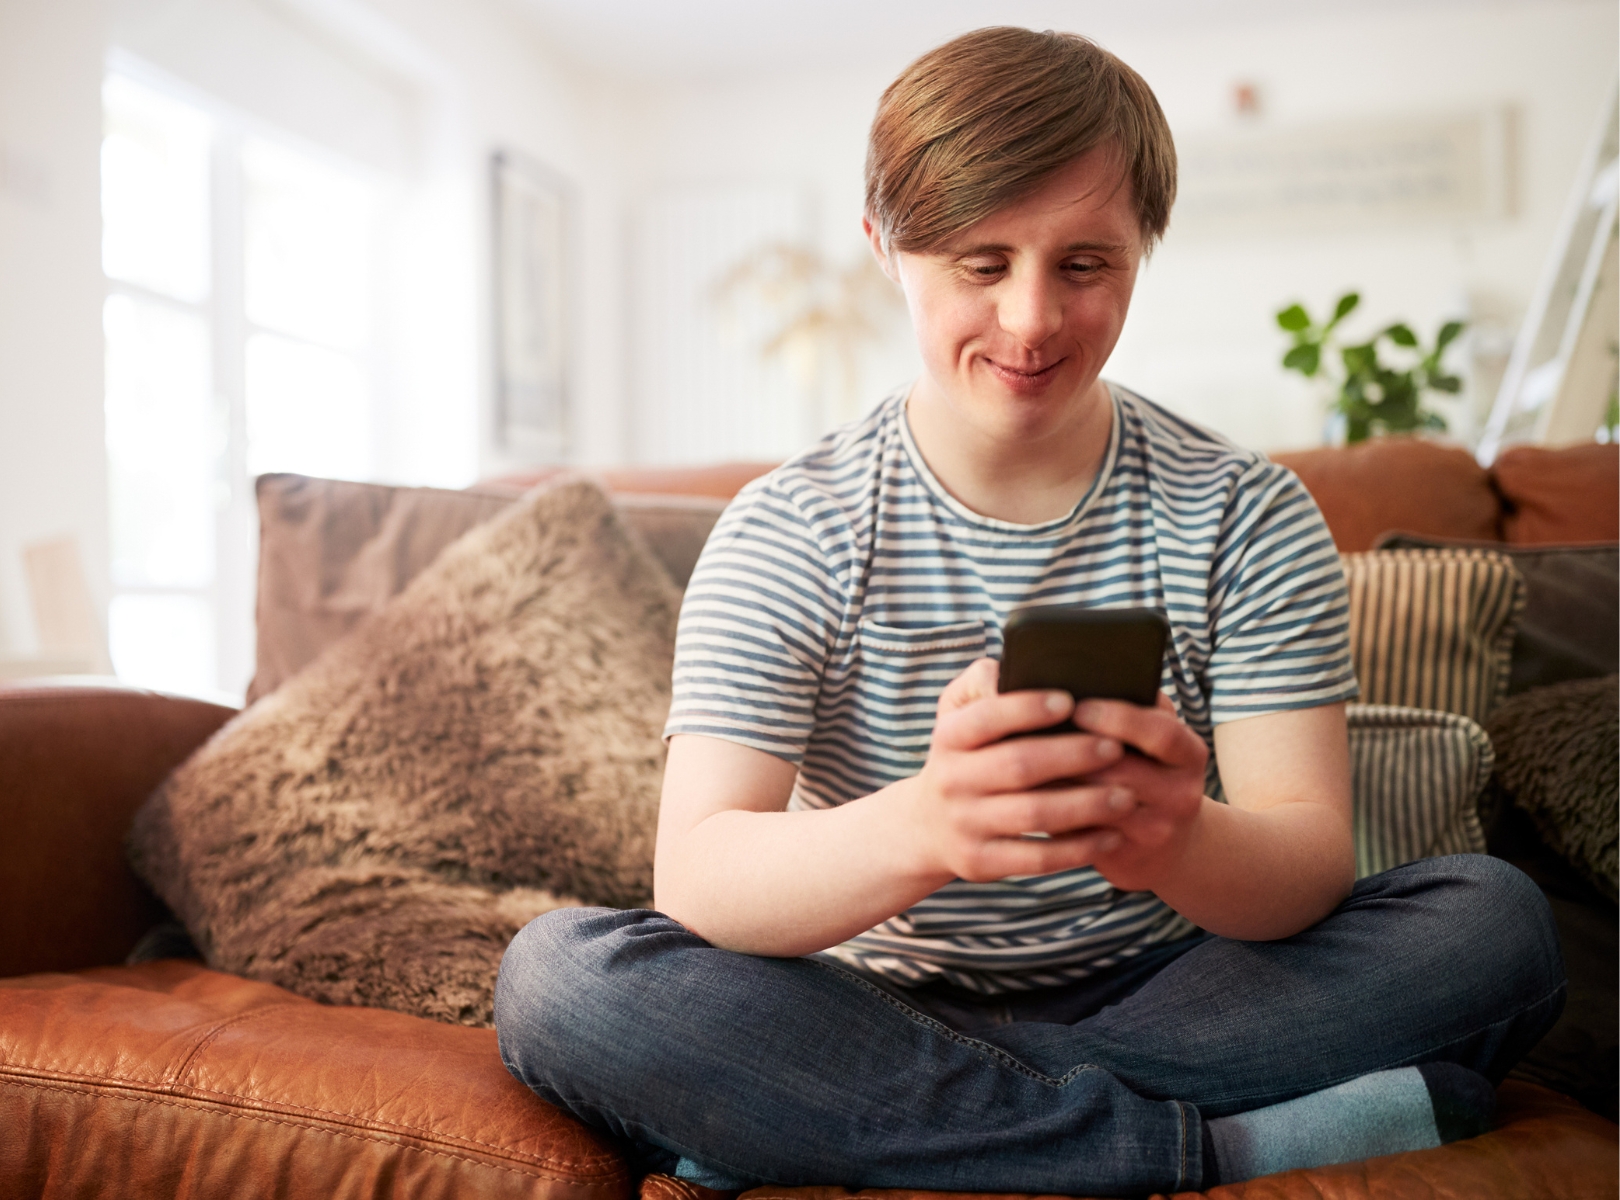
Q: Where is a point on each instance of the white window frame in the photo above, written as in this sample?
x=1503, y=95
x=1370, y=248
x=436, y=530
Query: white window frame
x=232, y=594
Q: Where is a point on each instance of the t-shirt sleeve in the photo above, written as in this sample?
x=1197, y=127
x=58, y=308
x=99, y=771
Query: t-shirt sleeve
x=1279, y=609
x=757, y=625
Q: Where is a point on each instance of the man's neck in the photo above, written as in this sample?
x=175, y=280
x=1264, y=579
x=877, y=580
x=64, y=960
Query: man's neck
x=1024, y=480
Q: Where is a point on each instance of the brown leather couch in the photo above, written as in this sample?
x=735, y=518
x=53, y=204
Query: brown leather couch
x=169, y=1079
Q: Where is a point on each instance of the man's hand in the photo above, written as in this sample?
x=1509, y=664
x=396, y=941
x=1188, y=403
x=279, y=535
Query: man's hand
x=1165, y=779
x=978, y=795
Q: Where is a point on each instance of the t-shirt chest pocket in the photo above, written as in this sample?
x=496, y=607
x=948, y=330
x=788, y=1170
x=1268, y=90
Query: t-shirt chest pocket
x=903, y=669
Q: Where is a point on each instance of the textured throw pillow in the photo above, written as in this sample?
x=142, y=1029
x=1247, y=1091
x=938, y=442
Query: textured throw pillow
x=1433, y=628
x=1570, y=628
x=332, y=551
x=485, y=746
x=1558, y=758
x=1416, y=777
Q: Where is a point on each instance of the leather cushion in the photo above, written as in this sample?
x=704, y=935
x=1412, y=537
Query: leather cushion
x=1397, y=483
x=75, y=763
x=721, y=481
x=1562, y=494
x=170, y=1079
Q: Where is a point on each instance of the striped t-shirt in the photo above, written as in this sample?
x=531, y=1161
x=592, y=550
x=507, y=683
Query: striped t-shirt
x=838, y=595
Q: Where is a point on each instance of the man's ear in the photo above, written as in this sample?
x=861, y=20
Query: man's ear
x=875, y=240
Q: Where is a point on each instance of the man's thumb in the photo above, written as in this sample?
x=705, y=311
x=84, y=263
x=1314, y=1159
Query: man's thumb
x=975, y=683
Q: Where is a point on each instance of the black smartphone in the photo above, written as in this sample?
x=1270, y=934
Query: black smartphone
x=1091, y=653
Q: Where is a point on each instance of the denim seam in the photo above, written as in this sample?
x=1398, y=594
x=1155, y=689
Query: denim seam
x=984, y=1048
x=1181, y=1169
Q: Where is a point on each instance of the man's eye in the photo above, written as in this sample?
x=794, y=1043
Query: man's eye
x=1082, y=268
x=984, y=270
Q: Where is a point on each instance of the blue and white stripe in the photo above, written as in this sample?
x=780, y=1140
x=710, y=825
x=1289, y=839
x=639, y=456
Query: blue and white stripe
x=839, y=594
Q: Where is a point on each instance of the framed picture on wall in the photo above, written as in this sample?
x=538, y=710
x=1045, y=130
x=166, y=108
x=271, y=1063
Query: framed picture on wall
x=531, y=224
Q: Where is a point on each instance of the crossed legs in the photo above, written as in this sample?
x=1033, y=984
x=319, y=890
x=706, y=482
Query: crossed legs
x=795, y=1071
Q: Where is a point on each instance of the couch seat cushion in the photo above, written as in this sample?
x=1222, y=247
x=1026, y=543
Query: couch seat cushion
x=169, y=1079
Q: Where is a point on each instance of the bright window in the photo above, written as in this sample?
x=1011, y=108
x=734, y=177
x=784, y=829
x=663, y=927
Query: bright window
x=239, y=323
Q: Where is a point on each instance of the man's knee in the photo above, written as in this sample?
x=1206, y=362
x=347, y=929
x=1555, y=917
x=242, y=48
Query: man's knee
x=1490, y=916
x=556, y=989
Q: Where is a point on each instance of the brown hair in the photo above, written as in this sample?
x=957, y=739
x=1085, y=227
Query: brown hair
x=984, y=120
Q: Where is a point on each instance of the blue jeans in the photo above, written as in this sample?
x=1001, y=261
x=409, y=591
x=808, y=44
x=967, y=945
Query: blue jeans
x=733, y=1070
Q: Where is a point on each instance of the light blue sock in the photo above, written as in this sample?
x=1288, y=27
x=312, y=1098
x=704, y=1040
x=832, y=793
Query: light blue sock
x=705, y=1176
x=1389, y=1112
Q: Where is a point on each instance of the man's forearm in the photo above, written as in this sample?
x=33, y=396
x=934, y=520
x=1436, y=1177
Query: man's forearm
x=1262, y=874
x=784, y=884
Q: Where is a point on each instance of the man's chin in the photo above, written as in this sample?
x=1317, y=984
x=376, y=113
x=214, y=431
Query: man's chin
x=1030, y=412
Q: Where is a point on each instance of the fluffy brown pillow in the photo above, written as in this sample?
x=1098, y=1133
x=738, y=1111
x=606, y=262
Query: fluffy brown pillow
x=483, y=746
x=1558, y=757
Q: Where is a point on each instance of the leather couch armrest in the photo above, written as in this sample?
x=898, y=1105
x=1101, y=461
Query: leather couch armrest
x=75, y=764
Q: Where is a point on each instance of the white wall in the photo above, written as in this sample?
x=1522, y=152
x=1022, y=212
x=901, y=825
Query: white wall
x=496, y=85
x=52, y=466
x=1201, y=336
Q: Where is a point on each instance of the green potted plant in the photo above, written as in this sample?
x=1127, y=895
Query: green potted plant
x=1373, y=396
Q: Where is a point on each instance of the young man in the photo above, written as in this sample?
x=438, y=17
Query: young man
x=862, y=971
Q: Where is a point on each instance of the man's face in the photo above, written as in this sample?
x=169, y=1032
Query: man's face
x=1016, y=316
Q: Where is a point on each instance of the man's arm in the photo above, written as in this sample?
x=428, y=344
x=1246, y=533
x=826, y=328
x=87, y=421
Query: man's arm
x=737, y=870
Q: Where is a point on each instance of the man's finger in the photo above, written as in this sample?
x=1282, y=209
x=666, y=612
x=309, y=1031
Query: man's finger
x=991, y=718
x=1002, y=857
x=1022, y=764
x=1156, y=732
x=1056, y=811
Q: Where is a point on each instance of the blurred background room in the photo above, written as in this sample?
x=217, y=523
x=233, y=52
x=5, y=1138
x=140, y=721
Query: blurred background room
x=430, y=242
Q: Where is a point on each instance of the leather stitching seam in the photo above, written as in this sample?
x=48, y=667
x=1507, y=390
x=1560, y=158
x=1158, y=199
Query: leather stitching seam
x=23, y=1078
x=208, y=1039
x=177, y=1102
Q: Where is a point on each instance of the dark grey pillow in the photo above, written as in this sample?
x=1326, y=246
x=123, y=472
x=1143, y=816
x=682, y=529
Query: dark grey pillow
x=1570, y=628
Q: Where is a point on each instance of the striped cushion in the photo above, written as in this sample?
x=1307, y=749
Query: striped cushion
x=1433, y=628
x=1415, y=777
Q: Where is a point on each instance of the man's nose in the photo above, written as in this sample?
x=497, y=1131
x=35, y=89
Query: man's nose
x=1030, y=308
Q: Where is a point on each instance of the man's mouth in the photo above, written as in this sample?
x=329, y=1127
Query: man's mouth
x=1028, y=378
